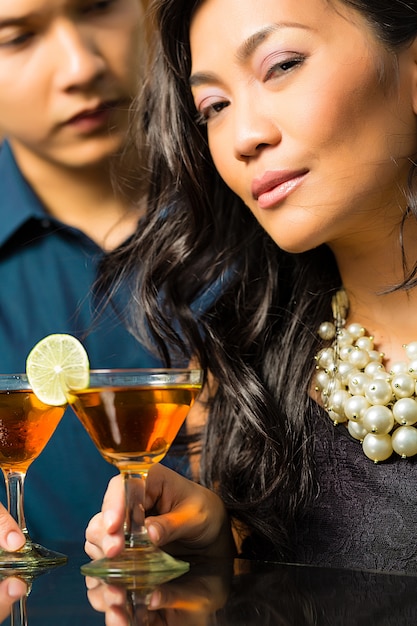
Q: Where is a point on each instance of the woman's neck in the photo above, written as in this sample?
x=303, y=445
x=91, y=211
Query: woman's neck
x=367, y=273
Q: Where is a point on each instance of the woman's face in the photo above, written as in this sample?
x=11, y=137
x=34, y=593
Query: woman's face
x=309, y=119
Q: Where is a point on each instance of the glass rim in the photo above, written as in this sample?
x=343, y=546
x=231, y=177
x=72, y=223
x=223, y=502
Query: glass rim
x=145, y=370
x=166, y=375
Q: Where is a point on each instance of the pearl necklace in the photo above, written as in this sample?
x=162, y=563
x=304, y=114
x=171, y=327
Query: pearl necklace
x=380, y=407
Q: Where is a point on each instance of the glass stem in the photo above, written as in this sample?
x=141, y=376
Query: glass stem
x=18, y=615
x=14, y=486
x=135, y=486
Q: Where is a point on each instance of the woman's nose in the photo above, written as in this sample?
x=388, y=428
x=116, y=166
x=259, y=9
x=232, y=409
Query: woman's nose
x=78, y=59
x=254, y=130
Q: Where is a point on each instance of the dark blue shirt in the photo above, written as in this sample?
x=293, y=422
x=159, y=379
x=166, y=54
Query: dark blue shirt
x=46, y=273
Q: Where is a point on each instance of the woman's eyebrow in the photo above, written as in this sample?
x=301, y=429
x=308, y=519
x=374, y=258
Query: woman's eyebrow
x=247, y=48
x=201, y=78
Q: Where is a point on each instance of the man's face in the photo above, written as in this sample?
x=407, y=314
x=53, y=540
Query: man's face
x=68, y=71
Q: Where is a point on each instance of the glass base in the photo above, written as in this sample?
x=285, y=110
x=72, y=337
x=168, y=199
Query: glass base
x=32, y=558
x=148, y=562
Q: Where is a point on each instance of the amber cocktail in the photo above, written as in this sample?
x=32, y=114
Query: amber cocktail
x=26, y=425
x=133, y=416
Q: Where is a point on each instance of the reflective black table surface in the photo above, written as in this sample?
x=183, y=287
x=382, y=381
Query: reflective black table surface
x=220, y=593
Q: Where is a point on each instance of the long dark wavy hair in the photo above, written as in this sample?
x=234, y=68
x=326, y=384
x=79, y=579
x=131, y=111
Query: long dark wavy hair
x=208, y=282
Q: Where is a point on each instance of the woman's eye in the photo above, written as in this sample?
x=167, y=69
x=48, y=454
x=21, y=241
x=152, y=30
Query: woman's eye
x=208, y=111
x=283, y=67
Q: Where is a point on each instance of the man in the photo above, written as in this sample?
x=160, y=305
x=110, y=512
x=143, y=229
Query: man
x=68, y=71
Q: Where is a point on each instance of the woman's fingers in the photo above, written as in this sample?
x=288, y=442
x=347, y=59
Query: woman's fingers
x=104, y=534
x=11, y=537
x=187, y=512
x=110, y=600
x=11, y=590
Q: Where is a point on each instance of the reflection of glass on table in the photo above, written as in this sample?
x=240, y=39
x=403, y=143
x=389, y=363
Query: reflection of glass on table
x=26, y=425
x=191, y=600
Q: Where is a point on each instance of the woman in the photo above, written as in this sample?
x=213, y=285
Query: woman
x=283, y=137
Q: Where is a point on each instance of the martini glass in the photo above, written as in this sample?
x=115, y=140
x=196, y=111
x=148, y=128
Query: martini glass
x=133, y=416
x=26, y=425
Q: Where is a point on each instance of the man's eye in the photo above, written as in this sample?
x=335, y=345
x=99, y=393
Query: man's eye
x=14, y=39
x=101, y=5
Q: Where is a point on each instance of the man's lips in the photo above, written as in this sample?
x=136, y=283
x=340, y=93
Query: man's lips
x=97, y=110
x=273, y=187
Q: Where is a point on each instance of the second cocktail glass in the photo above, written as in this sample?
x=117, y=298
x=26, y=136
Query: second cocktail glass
x=133, y=416
x=26, y=425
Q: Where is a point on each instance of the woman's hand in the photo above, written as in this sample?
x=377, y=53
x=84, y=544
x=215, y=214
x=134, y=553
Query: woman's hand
x=190, y=518
x=11, y=590
x=11, y=537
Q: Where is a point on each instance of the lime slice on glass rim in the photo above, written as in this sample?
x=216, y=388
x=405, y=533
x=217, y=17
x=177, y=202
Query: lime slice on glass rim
x=57, y=362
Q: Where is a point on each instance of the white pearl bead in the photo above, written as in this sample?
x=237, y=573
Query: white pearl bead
x=327, y=331
x=382, y=375
x=405, y=411
x=359, y=358
x=378, y=391
x=337, y=401
x=399, y=368
x=378, y=419
x=345, y=370
x=336, y=418
x=412, y=368
x=357, y=383
x=377, y=447
x=374, y=355
x=344, y=338
x=411, y=350
x=325, y=358
x=403, y=385
x=373, y=368
x=356, y=330
x=355, y=407
x=404, y=441
x=365, y=343
x=345, y=351
x=357, y=430
x=322, y=380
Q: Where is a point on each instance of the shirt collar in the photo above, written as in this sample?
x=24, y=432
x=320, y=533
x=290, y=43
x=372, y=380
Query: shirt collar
x=18, y=201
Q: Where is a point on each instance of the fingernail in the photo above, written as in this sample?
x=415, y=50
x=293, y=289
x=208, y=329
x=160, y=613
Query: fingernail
x=14, y=540
x=16, y=588
x=155, y=600
x=154, y=533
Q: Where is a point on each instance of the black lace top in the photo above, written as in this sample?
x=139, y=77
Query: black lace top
x=365, y=514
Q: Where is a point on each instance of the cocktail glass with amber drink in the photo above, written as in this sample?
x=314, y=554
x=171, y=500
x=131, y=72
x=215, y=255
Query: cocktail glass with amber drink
x=26, y=425
x=133, y=416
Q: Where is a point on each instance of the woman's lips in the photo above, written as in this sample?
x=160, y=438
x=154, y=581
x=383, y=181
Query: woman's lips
x=273, y=187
